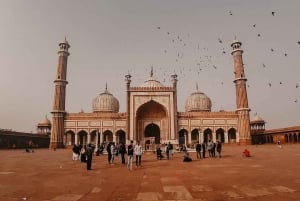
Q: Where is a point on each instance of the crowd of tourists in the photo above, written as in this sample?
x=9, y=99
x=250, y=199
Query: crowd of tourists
x=163, y=151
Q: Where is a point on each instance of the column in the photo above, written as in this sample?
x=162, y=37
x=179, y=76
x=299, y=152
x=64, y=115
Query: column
x=226, y=137
x=76, y=138
x=189, y=137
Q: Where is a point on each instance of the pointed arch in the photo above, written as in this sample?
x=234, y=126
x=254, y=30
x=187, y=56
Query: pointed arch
x=182, y=136
x=220, y=135
x=207, y=135
x=232, y=135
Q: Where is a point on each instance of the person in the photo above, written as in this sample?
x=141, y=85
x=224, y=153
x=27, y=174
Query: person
x=219, y=148
x=113, y=152
x=130, y=155
x=89, y=156
x=246, y=153
x=138, y=154
x=159, y=153
x=213, y=150
x=108, y=149
x=76, y=152
x=203, y=149
x=83, y=155
x=279, y=145
x=170, y=148
x=122, y=151
x=198, y=150
x=187, y=158
x=209, y=148
x=167, y=150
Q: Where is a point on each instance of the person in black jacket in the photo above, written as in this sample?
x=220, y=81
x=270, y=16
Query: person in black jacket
x=122, y=151
x=89, y=156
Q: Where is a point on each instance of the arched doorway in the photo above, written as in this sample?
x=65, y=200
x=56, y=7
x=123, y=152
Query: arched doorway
x=93, y=137
x=69, y=138
x=156, y=113
x=232, y=135
x=121, y=136
x=82, y=137
x=107, y=136
x=207, y=135
x=195, y=136
x=220, y=135
x=182, y=136
x=152, y=130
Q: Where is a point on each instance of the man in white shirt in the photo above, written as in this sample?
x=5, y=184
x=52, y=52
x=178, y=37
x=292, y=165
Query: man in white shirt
x=138, y=153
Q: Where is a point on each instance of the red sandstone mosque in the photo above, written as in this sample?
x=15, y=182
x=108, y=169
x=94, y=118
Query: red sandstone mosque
x=151, y=113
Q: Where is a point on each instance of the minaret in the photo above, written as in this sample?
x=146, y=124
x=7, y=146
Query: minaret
x=58, y=113
x=174, y=82
x=241, y=95
x=128, y=81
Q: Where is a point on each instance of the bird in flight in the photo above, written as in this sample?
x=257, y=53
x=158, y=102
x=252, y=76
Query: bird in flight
x=273, y=13
x=272, y=50
x=270, y=84
x=158, y=27
x=230, y=13
x=297, y=85
x=220, y=41
x=254, y=25
x=263, y=65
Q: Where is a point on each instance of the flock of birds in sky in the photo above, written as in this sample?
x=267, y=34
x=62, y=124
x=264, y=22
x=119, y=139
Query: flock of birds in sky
x=203, y=62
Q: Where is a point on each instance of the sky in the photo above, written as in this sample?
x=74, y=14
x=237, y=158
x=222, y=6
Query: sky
x=110, y=39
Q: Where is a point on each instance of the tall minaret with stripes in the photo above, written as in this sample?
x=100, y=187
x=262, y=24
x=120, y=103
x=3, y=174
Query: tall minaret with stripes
x=241, y=95
x=58, y=113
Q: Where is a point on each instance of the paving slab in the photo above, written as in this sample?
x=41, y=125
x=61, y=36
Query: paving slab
x=46, y=175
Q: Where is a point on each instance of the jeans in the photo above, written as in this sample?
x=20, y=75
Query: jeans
x=129, y=164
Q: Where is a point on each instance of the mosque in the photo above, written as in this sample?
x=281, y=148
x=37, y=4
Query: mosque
x=151, y=115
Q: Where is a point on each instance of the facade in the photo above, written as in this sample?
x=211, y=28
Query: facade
x=151, y=114
x=10, y=139
x=260, y=135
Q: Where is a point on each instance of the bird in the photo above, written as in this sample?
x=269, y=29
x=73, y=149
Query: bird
x=296, y=101
x=224, y=52
x=215, y=67
x=230, y=13
x=272, y=50
x=158, y=27
x=280, y=82
x=285, y=54
x=258, y=35
x=263, y=65
x=298, y=42
x=220, y=41
x=270, y=84
x=168, y=33
x=248, y=85
x=297, y=85
x=254, y=25
x=273, y=13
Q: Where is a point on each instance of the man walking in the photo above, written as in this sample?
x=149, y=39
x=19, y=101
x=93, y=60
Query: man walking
x=138, y=154
x=130, y=155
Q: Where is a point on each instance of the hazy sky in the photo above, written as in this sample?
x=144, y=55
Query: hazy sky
x=111, y=38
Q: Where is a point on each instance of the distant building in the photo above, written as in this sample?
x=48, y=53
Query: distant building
x=15, y=140
x=151, y=113
x=260, y=135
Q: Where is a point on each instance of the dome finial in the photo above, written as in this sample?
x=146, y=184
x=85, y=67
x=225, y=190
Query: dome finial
x=197, y=86
x=151, y=72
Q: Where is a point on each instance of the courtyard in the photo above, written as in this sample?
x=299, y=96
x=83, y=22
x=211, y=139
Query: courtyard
x=47, y=175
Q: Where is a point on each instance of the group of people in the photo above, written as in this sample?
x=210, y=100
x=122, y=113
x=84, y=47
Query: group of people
x=211, y=147
x=85, y=153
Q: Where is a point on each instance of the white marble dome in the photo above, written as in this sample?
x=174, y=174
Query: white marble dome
x=105, y=102
x=151, y=83
x=198, y=102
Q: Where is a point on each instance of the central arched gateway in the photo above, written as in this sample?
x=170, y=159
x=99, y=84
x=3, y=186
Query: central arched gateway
x=152, y=121
x=152, y=130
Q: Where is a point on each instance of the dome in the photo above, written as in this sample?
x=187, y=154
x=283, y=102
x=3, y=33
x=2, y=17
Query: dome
x=45, y=122
x=198, y=102
x=257, y=118
x=152, y=83
x=105, y=102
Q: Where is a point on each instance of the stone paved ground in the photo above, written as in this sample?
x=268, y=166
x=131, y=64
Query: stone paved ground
x=271, y=174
